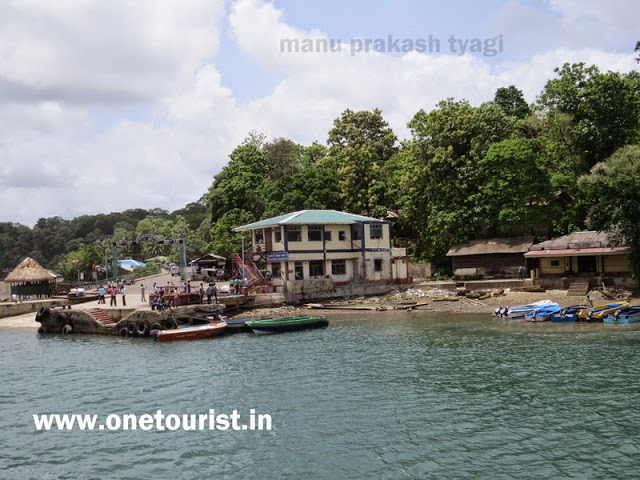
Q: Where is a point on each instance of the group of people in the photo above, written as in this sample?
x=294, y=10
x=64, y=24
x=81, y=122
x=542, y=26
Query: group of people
x=113, y=289
x=211, y=290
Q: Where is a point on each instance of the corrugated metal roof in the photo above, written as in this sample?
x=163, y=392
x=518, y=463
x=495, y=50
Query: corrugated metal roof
x=310, y=217
x=491, y=245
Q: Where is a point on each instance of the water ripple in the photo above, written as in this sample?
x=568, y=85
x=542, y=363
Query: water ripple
x=395, y=396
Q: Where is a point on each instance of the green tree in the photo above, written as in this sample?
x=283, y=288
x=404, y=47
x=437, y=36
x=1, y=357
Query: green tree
x=282, y=157
x=240, y=183
x=441, y=176
x=612, y=188
x=512, y=102
x=516, y=189
x=604, y=109
x=224, y=241
x=360, y=143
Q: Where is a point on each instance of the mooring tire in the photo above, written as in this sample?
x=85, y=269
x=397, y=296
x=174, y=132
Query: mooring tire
x=41, y=330
x=44, y=311
x=142, y=329
x=67, y=329
x=132, y=329
x=124, y=332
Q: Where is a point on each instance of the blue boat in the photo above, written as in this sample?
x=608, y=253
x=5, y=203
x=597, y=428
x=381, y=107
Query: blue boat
x=521, y=310
x=568, y=314
x=624, y=316
x=542, y=314
x=237, y=325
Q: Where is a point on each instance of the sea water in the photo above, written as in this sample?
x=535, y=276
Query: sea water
x=392, y=395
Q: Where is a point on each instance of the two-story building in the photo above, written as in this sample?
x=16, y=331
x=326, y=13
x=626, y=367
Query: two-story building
x=325, y=244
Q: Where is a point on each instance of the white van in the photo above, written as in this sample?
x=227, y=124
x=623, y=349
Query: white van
x=175, y=270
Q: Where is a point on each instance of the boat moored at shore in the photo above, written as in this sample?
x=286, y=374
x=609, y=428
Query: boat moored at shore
x=287, y=324
x=624, y=316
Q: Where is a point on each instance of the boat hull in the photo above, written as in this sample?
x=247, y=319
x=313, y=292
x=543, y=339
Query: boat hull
x=288, y=324
x=196, y=332
x=624, y=316
x=597, y=314
x=621, y=321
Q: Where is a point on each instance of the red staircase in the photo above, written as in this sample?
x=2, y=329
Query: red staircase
x=101, y=317
x=249, y=270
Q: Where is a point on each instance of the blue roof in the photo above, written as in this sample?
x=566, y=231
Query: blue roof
x=131, y=263
x=310, y=217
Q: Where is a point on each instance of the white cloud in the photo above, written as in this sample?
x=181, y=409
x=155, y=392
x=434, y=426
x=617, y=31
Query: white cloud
x=115, y=105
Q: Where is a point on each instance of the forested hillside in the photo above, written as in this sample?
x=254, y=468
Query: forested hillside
x=568, y=161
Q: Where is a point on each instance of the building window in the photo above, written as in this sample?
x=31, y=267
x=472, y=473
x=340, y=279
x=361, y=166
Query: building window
x=375, y=230
x=327, y=236
x=259, y=236
x=316, y=268
x=276, y=270
x=299, y=272
x=377, y=265
x=555, y=263
x=355, y=232
x=342, y=235
x=294, y=234
x=315, y=233
x=338, y=267
x=277, y=235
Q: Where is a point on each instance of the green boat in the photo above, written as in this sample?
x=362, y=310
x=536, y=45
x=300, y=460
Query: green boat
x=287, y=324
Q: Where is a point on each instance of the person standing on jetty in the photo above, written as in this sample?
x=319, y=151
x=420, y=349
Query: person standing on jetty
x=143, y=298
x=209, y=293
x=214, y=288
x=124, y=298
x=201, y=292
x=101, y=295
x=112, y=293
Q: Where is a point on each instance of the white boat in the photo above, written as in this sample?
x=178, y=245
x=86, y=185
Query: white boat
x=521, y=310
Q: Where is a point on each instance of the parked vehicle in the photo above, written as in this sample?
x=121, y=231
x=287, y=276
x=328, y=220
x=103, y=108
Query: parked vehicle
x=175, y=270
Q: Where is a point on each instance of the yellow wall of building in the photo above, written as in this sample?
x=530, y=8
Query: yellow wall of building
x=547, y=267
x=616, y=264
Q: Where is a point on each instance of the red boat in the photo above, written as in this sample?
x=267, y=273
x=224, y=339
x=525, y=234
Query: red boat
x=191, y=332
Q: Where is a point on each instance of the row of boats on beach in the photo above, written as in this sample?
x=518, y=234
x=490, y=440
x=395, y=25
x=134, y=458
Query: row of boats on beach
x=546, y=310
x=207, y=329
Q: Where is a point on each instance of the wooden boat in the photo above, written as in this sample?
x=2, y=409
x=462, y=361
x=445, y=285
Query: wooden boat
x=542, y=314
x=287, y=324
x=624, y=316
x=521, y=310
x=597, y=313
x=568, y=314
x=237, y=325
x=191, y=332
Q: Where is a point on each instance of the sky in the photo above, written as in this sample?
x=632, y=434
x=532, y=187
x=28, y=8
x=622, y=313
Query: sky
x=106, y=106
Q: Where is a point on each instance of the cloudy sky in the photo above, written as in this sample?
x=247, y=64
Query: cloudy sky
x=109, y=105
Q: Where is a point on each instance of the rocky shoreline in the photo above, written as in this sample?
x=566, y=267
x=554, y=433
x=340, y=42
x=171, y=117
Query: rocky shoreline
x=415, y=299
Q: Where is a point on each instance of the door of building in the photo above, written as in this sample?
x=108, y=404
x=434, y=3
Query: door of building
x=587, y=265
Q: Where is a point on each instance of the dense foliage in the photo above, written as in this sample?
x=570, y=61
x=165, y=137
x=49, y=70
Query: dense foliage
x=504, y=168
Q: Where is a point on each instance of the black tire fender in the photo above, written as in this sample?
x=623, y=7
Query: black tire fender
x=132, y=329
x=123, y=332
x=142, y=328
x=67, y=329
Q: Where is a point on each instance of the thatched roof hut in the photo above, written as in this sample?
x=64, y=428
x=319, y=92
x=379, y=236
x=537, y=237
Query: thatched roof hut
x=29, y=271
x=30, y=280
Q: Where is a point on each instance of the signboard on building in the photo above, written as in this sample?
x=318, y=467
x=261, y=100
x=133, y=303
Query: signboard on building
x=579, y=245
x=278, y=256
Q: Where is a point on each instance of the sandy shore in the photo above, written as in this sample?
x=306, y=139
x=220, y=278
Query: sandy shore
x=426, y=298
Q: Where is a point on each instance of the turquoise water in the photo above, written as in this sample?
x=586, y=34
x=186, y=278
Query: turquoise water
x=389, y=396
